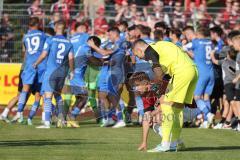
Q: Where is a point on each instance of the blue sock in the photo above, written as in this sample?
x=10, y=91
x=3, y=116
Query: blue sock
x=54, y=110
x=47, y=108
x=119, y=115
x=109, y=114
x=75, y=112
x=22, y=101
x=208, y=104
x=122, y=105
x=34, y=109
x=205, y=113
x=139, y=104
x=202, y=106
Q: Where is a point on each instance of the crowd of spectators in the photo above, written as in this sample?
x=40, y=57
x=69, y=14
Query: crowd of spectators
x=100, y=15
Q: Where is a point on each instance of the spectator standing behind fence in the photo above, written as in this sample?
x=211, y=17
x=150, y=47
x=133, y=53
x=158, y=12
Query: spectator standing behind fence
x=158, y=9
x=36, y=11
x=226, y=11
x=178, y=16
x=63, y=8
x=100, y=22
x=6, y=38
x=234, y=16
x=91, y=5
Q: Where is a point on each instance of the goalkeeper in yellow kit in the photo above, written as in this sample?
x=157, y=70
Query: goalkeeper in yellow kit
x=167, y=58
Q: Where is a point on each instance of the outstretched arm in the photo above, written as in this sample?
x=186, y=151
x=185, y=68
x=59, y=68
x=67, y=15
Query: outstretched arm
x=104, y=52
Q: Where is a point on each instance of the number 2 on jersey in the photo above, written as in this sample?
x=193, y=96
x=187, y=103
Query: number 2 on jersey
x=61, y=49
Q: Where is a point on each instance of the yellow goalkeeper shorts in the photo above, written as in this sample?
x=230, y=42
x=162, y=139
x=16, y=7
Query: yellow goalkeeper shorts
x=182, y=86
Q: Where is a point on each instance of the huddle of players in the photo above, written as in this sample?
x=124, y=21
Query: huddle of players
x=52, y=60
x=48, y=59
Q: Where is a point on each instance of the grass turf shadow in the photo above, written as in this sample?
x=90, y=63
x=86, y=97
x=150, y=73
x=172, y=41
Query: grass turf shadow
x=19, y=143
x=218, y=148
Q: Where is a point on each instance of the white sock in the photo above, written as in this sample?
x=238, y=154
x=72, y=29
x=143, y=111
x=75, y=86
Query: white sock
x=47, y=123
x=19, y=114
x=43, y=116
x=5, y=112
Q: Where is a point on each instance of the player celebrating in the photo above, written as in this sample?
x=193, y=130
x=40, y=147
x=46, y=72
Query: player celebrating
x=202, y=48
x=78, y=86
x=33, y=43
x=60, y=58
x=116, y=49
x=180, y=91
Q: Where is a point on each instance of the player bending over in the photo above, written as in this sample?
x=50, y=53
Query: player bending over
x=139, y=80
x=167, y=58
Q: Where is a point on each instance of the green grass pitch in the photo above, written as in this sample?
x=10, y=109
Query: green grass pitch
x=90, y=142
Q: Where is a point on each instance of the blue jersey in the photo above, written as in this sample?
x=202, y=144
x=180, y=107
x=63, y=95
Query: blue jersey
x=202, y=49
x=80, y=64
x=58, y=49
x=179, y=44
x=78, y=40
x=219, y=46
x=33, y=42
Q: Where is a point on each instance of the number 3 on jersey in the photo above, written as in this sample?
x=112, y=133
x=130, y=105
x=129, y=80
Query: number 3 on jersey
x=60, y=56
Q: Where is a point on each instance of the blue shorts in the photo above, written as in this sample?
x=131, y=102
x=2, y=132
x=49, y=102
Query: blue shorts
x=76, y=90
x=205, y=84
x=102, y=83
x=113, y=83
x=52, y=83
x=40, y=75
x=78, y=85
x=28, y=75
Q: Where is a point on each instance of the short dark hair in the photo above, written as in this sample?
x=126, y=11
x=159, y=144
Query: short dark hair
x=177, y=32
x=138, y=77
x=203, y=31
x=140, y=27
x=49, y=30
x=233, y=34
x=232, y=53
x=133, y=27
x=158, y=35
x=60, y=22
x=80, y=24
x=146, y=31
x=160, y=25
x=138, y=41
x=114, y=29
x=188, y=28
x=34, y=22
x=96, y=40
x=218, y=30
x=124, y=23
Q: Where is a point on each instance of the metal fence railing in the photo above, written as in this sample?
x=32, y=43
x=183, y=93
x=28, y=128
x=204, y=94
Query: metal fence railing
x=18, y=14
